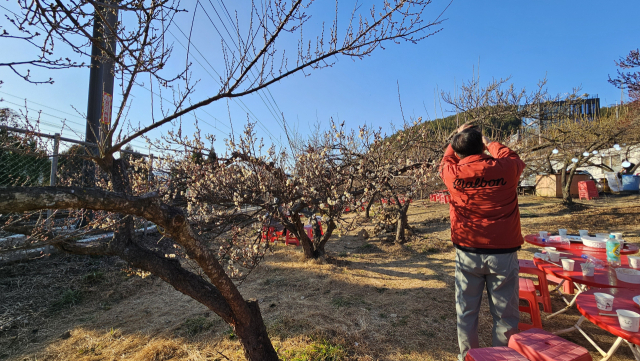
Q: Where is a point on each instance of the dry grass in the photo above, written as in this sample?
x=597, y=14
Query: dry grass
x=369, y=300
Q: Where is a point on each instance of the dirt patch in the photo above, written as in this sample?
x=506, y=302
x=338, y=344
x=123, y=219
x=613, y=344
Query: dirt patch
x=367, y=300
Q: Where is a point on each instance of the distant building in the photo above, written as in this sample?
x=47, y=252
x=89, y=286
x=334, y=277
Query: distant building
x=587, y=107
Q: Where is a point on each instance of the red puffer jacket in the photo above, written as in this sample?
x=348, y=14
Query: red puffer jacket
x=484, y=199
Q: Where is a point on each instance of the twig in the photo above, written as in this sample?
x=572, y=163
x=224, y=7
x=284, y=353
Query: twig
x=221, y=354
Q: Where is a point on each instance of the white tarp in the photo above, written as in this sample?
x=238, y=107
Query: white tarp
x=613, y=181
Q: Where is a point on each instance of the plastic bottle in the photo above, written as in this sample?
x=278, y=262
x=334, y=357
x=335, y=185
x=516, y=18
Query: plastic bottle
x=599, y=264
x=613, y=251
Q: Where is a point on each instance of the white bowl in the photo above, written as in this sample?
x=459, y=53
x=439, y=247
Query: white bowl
x=604, y=301
x=628, y=275
x=634, y=261
x=629, y=320
x=594, y=242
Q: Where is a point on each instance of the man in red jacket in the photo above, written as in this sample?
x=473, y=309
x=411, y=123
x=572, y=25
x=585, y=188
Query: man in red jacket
x=485, y=229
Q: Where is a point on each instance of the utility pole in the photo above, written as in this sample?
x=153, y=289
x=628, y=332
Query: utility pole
x=100, y=81
x=100, y=87
x=539, y=123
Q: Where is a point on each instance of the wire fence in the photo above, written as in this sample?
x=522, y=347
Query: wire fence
x=24, y=167
x=31, y=159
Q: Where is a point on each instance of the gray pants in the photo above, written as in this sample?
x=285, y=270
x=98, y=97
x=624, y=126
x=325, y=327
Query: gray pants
x=499, y=272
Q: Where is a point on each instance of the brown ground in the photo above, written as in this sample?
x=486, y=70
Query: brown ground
x=370, y=301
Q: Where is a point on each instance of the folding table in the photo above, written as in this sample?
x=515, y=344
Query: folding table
x=602, y=278
x=623, y=299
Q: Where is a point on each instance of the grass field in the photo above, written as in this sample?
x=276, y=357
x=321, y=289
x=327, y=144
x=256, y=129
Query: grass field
x=369, y=300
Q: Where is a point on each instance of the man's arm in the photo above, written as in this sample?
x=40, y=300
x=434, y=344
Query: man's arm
x=503, y=153
x=448, y=165
x=450, y=160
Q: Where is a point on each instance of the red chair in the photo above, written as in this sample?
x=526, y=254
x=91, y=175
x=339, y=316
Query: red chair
x=528, y=293
x=587, y=190
x=271, y=234
x=528, y=267
x=540, y=345
x=291, y=239
x=494, y=354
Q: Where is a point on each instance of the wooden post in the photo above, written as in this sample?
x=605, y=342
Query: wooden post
x=149, y=178
x=54, y=167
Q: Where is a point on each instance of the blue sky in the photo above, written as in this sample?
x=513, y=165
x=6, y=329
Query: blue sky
x=571, y=43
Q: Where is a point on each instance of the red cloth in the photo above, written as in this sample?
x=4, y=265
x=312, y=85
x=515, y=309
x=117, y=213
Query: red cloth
x=484, y=199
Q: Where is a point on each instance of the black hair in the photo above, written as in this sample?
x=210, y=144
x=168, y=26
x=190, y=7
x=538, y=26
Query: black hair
x=468, y=142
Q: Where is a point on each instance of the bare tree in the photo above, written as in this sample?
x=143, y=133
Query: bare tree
x=577, y=142
x=321, y=184
x=392, y=169
x=629, y=80
x=491, y=105
x=174, y=203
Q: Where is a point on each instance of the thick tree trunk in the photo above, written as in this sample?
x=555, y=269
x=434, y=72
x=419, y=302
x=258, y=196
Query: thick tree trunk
x=124, y=232
x=565, y=182
x=402, y=223
x=254, y=338
x=296, y=226
x=322, y=241
x=368, y=208
x=311, y=248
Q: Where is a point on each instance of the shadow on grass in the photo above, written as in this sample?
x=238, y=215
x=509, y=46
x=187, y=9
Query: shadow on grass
x=379, y=303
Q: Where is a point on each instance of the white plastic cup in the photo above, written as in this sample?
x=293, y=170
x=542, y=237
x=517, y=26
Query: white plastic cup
x=587, y=269
x=629, y=320
x=583, y=232
x=634, y=262
x=544, y=234
x=604, y=301
x=554, y=256
x=602, y=235
x=562, y=232
x=568, y=264
x=618, y=235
